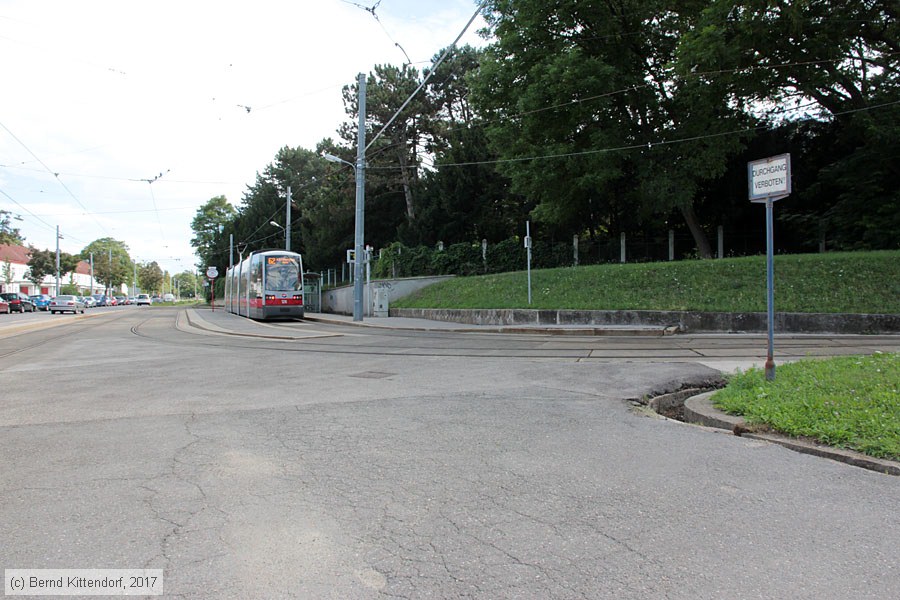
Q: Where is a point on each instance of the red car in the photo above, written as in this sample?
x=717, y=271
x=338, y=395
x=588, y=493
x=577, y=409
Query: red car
x=4, y=306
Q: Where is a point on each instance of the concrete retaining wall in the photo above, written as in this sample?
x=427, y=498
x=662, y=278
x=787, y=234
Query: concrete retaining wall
x=686, y=321
x=340, y=300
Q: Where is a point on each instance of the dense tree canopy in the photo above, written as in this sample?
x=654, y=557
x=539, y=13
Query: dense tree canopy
x=594, y=119
x=112, y=264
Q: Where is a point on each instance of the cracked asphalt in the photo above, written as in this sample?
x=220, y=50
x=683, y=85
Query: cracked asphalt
x=261, y=469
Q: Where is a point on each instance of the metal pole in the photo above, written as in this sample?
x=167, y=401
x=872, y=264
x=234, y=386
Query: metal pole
x=287, y=223
x=360, y=202
x=230, y=250
x=109, y=280
x=134, y=281
x=57, y=260
x=528, y=249
x=671, y=245
x=770, y=291
x=92, y=273
x=368, y=284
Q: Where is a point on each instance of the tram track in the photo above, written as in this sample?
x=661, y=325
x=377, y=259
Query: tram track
x=80, y=327
x=516, y=346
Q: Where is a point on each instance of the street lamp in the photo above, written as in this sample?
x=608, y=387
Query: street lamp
x=281, y=228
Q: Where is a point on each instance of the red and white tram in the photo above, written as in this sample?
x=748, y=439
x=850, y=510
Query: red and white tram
x=266, y=285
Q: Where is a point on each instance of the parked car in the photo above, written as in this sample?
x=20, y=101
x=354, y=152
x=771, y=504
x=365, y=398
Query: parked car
x=143, y=300
x=121, y=300
x=18, y=302
x=89, y=301
x=101, y=299
x=4, y=306
x=66, y=303
x=111, y=301
x=168, y=297
x=41, y=301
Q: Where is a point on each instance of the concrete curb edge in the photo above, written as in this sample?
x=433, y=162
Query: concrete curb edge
x=699, y=409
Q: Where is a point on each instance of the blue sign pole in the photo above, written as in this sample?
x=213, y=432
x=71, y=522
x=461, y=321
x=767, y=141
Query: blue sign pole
x=770, y=291
x=769, y=179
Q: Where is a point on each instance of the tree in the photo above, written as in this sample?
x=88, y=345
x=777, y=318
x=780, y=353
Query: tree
x=43, y=262
x=40, y=264
x=591, y=86
x=150, y=277
x=208, y=223
x=835, y=68
x=187, y=283
x=470, y=202
x=393, y=158
x=9, y=234
x=7, y=273
x=112, y=264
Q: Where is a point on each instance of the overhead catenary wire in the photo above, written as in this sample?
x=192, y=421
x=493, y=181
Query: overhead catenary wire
x=41, y=221
x=635, y=146
x=56, y=176
x=427, y=77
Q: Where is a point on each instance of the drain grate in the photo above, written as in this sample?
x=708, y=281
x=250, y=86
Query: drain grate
x=373, y=375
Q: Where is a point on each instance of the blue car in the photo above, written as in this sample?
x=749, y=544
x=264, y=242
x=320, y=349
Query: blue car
x=41, y=301
x=102, y=299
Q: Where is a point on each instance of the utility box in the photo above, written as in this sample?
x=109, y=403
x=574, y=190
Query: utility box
x=382, y=303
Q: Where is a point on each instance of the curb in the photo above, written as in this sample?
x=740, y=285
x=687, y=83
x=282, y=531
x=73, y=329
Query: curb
x=686, y=321
x=699, y=409
x=513, y=329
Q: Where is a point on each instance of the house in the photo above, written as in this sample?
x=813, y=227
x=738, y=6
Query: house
x=14, y=267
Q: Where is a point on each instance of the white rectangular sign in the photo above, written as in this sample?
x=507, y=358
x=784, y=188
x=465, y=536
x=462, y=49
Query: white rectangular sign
x=769, y=177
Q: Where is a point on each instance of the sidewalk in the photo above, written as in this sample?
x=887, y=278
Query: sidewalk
x=220, y=321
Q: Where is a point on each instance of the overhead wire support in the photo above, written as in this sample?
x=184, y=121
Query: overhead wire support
x=150, y=182
x=427, y=77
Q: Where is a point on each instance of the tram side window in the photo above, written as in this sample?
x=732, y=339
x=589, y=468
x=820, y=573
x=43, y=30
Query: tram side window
x=256, y=278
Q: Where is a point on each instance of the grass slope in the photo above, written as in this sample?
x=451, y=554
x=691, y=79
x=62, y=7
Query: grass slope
x=852, y=282
x=851, y=401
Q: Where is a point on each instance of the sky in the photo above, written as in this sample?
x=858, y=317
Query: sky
x=120, y=119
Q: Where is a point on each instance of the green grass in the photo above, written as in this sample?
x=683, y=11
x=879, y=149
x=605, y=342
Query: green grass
x=852, y=282
x=850, y=402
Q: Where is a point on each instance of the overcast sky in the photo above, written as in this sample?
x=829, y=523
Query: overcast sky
x=97, y=97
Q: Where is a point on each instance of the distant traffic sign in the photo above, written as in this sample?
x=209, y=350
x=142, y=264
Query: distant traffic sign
x=212, y=272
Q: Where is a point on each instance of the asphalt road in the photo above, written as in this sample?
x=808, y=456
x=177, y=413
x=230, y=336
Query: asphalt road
x=345, y=463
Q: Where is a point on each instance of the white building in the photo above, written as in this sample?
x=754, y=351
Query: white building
x=14, y=267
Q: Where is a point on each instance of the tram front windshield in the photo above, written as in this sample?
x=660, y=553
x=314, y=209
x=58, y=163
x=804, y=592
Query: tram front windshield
x=282, y=274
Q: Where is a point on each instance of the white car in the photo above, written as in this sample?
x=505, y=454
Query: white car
x=66, y=303
x=168, y=297
x=143, y=300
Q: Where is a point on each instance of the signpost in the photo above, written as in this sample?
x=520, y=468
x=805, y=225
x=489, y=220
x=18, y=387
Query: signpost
x=212, y=273
x=528, y=250
x=769, y=179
